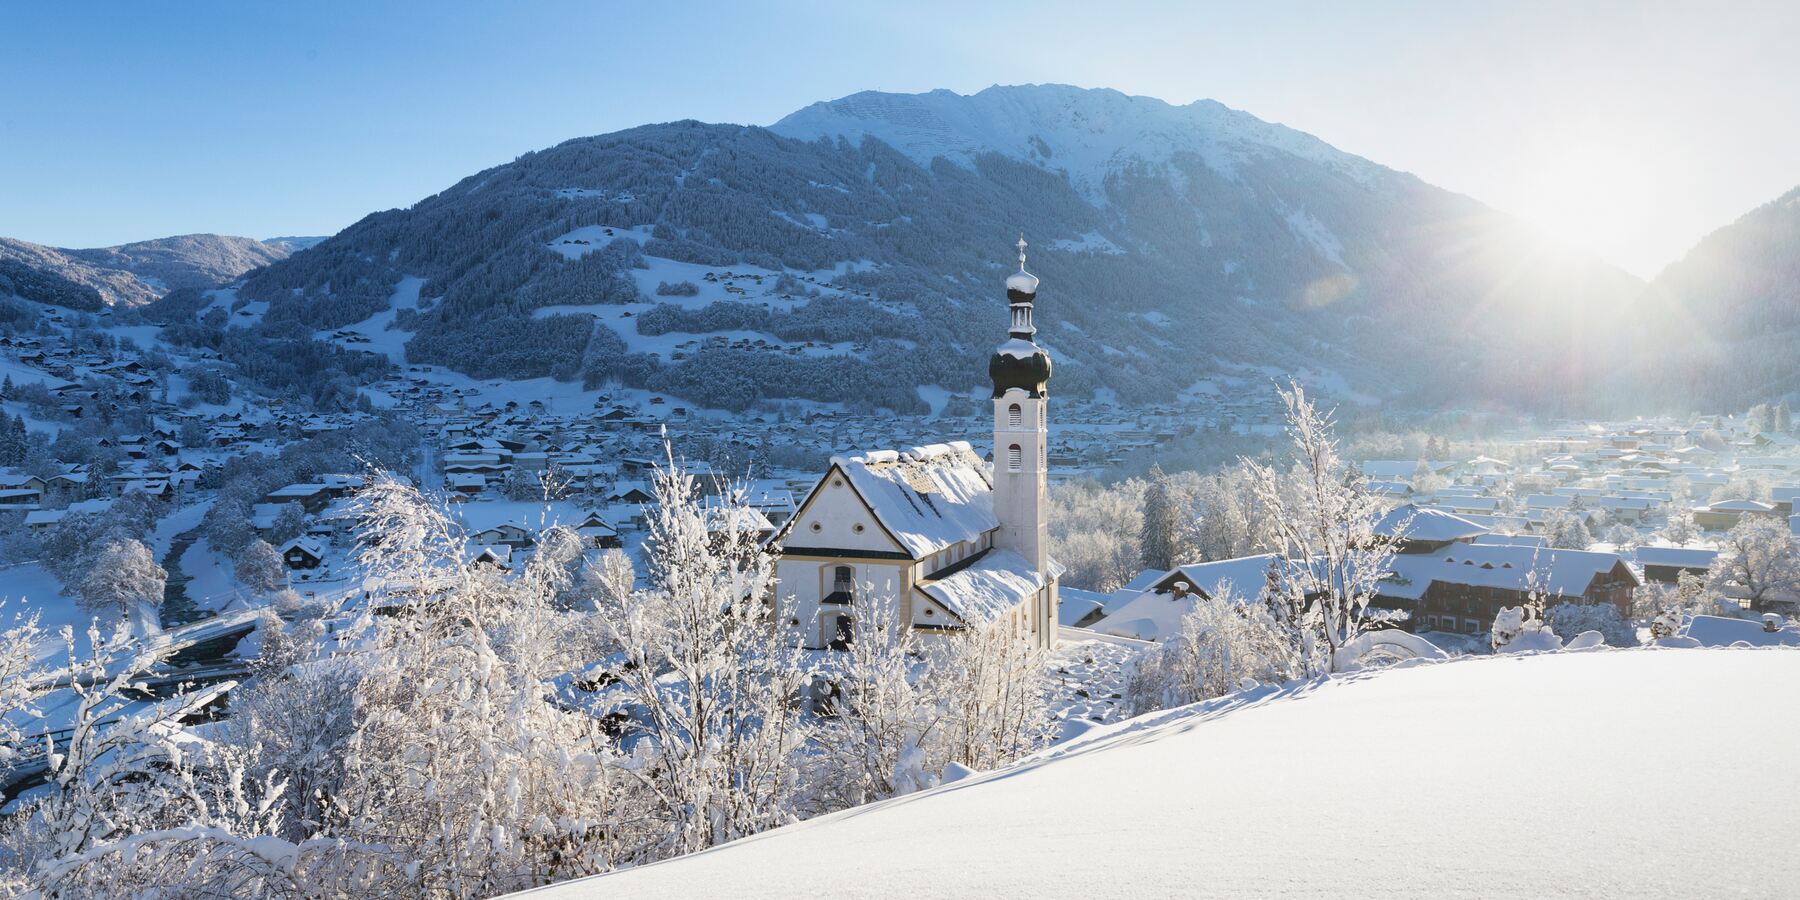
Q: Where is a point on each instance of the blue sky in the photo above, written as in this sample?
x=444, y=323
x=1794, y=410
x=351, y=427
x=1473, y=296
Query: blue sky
x=1630, y=129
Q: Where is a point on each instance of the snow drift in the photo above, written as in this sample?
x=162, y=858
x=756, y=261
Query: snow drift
x=1573, y=774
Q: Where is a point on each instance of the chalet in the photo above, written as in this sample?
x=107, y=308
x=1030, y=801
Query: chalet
x=596, y=532
x=630, y=492
x=1665, y=564
x=466, y=483
x=20, y=498
x=1724, y=515
x=491, y=556
x=1462, y=588
x=505, y=533
x=302, y=553
x=311, y=496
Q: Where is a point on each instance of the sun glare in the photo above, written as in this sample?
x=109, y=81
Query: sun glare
x=1587, y=197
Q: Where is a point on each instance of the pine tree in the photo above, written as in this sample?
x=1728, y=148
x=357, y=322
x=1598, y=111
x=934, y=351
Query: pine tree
x=1161, y=523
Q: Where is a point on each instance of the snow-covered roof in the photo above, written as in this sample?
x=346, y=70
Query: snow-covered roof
x=1740, y=506
x=1566, y=573
x=1696, y=558
x=929, y=497
x=986, y=589
x=1412, y=523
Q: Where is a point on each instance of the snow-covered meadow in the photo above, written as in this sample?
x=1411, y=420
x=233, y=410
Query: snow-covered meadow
x=1648, y=772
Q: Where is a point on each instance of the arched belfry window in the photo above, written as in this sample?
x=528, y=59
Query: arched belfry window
x=1015, y=416
x=1015, y=458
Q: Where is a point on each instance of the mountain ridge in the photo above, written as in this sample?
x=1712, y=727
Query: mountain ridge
x=1247, y=245
x=140, y=272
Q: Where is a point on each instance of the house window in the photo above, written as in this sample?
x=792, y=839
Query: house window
x=1015, y=458
x=843, y=580
x=1015, y=416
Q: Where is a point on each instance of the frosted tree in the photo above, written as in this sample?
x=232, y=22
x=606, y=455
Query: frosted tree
x=1324, y=520
x=993, y=680
x=22, y=682
x=1680, y=529
x=1566, y=531
x=879, y=711
x=124, y=578
x=259, y=567
x=1094, y=532
x=1161, y=532
x=707, y=674
x=1757, y=562
x=458, y=760
x=1222, y=645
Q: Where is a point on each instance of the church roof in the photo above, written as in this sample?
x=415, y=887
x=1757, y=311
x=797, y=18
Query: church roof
x=992, y=585
x=927, y=497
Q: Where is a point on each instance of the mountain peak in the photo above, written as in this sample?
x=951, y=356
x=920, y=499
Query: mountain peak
x=1086, y=132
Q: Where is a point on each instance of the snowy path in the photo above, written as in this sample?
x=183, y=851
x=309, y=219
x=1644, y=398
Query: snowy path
x=1645, y=773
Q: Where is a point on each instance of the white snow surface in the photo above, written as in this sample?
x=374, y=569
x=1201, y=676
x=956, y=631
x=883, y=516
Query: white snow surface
x=1404, y=782
x=1086, y=133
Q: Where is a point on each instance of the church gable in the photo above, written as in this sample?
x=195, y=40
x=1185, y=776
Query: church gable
x=834, y=516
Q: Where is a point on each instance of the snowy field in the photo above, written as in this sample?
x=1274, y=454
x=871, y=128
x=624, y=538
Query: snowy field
x=1647, y=773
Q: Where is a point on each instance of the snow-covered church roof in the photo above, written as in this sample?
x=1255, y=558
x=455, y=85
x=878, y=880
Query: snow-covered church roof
x=927, y=497
x=996, y=582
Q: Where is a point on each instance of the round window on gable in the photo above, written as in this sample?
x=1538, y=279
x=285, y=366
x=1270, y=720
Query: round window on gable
x=858, y=528
x=837, y=482
x=930, y=612
x=816, y=527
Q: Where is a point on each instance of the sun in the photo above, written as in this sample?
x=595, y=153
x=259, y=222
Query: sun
x=1587, y=196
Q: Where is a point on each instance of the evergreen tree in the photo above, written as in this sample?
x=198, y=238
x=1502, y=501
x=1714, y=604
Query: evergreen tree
x=1784, y=417
x=1162, y=523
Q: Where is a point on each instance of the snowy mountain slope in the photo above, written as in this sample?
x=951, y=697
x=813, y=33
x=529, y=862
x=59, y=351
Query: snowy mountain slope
x=1174, y=242
x=137, y=273
x=1645, y=773
x=1089, y=134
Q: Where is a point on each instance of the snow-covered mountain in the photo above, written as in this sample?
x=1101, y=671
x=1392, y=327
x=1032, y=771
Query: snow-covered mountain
x=1490, y=777
x=137, y=273
x=869, y=234
x=1090, y=135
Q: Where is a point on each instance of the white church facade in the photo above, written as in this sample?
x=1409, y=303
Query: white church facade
x=934, y=534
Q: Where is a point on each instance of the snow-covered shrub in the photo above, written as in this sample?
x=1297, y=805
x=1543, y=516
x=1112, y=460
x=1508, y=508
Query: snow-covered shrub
x=1222, y=645
x=1571, y=619
x=1517, y=630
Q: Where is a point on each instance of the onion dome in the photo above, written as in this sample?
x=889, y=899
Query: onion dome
x=1019, y=363
x=1021, y=282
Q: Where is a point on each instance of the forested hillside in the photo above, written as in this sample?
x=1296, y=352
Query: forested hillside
x=1720, y=325
x=137, y=273
x=1194, y=238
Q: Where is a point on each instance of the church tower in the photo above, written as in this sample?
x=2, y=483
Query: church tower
x=1021, y=373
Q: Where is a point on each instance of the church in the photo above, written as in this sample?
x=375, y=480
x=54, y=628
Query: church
x=934, y=533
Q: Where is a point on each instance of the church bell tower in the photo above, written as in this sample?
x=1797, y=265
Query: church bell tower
x=1020, y=370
